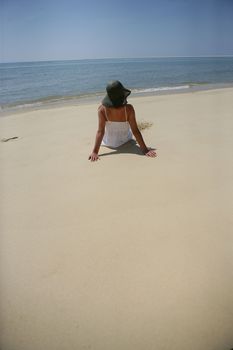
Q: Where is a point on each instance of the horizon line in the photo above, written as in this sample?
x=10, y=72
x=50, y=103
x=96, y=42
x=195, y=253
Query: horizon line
x=113, y=58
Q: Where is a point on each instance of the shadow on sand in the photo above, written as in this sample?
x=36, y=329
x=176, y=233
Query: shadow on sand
x=129, y=147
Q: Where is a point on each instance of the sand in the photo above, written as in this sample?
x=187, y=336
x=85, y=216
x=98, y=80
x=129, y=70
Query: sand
x=130, y=252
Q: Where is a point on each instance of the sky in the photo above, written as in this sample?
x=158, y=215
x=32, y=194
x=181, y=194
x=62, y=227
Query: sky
x=33, y=30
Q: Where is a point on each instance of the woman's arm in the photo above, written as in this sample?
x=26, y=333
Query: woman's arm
x=137, y=133
x=99, y=135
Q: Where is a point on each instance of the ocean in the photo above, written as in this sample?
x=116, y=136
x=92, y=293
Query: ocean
x=35, y=84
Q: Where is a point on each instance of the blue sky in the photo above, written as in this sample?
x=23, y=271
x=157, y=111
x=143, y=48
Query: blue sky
x=73, y=29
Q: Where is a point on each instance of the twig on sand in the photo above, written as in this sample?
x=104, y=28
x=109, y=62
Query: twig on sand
x=9, y=138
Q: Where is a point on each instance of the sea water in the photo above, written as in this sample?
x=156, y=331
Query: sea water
x=40, y=83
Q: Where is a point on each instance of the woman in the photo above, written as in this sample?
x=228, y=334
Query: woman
x=117, y=122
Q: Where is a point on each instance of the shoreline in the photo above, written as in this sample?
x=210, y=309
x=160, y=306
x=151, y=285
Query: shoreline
x=70, y=101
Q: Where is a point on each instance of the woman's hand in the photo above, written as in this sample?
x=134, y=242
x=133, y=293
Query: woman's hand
x=151, y=153
x=93, y=157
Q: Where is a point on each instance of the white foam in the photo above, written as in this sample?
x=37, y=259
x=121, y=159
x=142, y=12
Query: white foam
x=165, y=88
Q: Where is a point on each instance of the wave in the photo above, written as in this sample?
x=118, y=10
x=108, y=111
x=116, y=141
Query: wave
x=97, y=96
x=52, y=99
x=158, y=89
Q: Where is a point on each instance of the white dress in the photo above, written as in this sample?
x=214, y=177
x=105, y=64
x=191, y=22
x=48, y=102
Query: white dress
x=116, y=133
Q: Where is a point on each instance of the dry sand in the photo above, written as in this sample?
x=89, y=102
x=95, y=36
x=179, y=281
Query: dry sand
x=130, y=252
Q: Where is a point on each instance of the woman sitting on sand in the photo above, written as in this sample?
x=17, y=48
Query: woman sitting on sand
x=117, y=122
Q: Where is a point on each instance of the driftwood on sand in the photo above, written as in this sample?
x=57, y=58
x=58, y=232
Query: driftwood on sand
x=9, y=138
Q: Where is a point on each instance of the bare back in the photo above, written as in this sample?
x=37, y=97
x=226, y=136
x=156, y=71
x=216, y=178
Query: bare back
x=117, y=114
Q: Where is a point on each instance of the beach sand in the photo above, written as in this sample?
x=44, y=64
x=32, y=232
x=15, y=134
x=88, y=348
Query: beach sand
x=130, y=252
